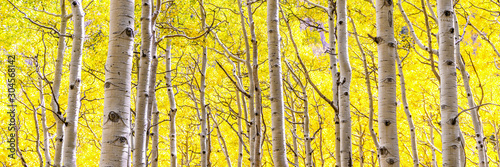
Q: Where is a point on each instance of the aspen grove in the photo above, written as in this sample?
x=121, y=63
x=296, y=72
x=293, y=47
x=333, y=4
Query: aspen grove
x=299, y=83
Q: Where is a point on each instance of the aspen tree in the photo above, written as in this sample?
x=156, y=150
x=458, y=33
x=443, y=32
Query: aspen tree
x=140, y=130
x=116, y=138
x=476, y=122
x=344, y=84
x=54, y=104
x=276, y=92
x=72, y=112
x=387, y=102
x=409, y=118
x=173, y=107
x=448, y=88
x=204, y=150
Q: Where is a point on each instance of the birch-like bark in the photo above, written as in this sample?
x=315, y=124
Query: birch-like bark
x=389, y=152
x=173, y=108
x=344, y=86
x=46, y=138
x=257, y=94
x=155, y=136
x=448, y=96
x=276, y=91
x=116, y=138
x=368, y=88
x=476, y=121
x=54, y=104
x=152, y=96
x=412, y=31
x=75, y=68
x=140, y=130
x=204, y=116
x=335, y=76
x=409, y=118
x=251, y=99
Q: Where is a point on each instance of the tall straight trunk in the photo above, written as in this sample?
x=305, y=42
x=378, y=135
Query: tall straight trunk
x=116, y=133
x=344, y=86
x=389, y=152
x=448, y=75
x=155, y=136
x=152, y=96
x=409, y=118
x=276, y=92
x=335, y=76
x=204, y=151
x=173, y=107
x=257, y=94
x=54, y=104
x=72, y=112
x=46, y=138
x=251, y=99
x=141, y=105
x=476, y=121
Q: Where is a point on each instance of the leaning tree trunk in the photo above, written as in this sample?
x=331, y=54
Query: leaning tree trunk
x=54, y=104
x=409, y=118
x=116, y=133
x=276, y=92
x=389, y=152
x=448, y=75
x=344, y=86
x=70, y=139
x=141, y=105
x=476, y=121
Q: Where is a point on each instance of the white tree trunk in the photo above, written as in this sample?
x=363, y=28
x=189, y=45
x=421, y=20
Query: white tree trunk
x=116, y=138
x=409, y=118
x=46, y=138
x=204, y=150
x=72, y=112
x=335, y=76
x=344, y=86
x=173, y=107
x=389, y=152
x=155, y=133
x=476, y=121
x=140, y=131
x=276, y=91
x=54, y=104
x=448, y=97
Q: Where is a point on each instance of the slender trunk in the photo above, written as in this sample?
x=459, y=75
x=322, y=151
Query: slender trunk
x=116, y=138
x=257, y=94
x=173, y=107
x=155, y=133
x=344, y=87
x=276, y=92
x=152, y=95
x=369, y=90
x=409, y=117
x=447, y=72
x=433, y=151
x=54, y=104
x=46, y=137
x=389, y=152
x=476, y=122
x=72, y=112
x=37, y=129
x=204, y=151
x=335, y=76
x=140, y=130
x=241, y=104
